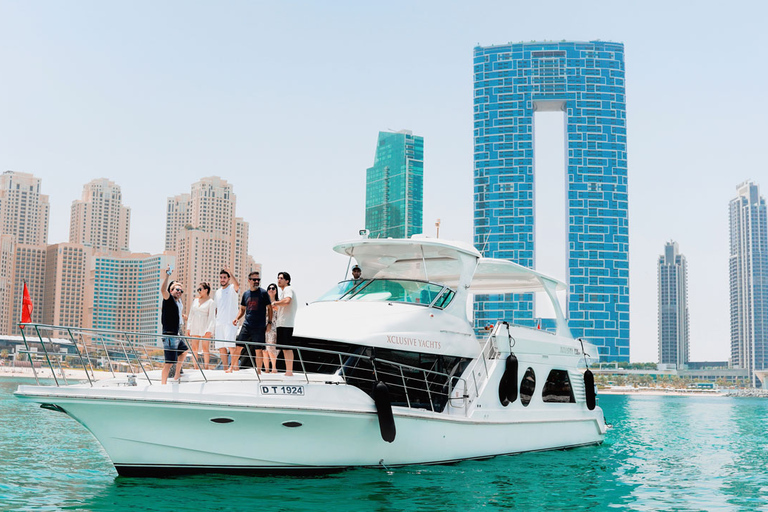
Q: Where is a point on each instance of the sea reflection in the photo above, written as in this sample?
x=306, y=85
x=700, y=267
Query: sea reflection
x=576, y=480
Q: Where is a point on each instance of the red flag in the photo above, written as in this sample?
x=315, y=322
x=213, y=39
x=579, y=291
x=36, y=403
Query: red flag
x=26, y=307
x=538, y=325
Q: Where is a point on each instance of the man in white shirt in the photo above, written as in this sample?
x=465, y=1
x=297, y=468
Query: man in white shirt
x=226, y=312
x=286, y=307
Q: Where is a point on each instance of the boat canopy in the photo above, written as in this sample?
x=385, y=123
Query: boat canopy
x=502, y=276
x=444, y=262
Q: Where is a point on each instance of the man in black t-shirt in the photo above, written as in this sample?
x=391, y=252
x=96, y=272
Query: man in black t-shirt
x=258, y=320
x=171, y=318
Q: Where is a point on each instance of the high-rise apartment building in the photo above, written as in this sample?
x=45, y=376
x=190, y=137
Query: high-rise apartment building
x=748, y=268
x=673, y=307
x=99, y=219
x=123, y=292
x=28, y=267
x=65, y=272
x=585, y=81
x=24, y=211
x=201, y=228
x=24, y=218
x=7, y=255
x=394, y=186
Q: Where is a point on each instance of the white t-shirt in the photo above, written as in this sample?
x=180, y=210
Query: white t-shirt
x=287, y=314
x=226, y=311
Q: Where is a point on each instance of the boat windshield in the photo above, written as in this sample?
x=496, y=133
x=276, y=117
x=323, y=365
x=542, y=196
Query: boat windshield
x=391, y=290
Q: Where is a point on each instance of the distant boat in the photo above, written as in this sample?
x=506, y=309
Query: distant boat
x=390, y=373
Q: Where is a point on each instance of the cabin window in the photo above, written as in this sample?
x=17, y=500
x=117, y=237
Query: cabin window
x=389, y=290
x=527, y=386
x=444, y=299
x=558, y=389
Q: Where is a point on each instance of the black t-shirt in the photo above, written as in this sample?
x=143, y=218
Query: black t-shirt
x=255, y=304
x=170, y=316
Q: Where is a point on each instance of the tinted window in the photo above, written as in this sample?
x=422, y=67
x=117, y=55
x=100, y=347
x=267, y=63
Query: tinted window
x=557, y=389
x=527, y=386
x=445, y=298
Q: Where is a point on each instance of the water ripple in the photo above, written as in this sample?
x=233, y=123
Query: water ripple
x=663, y=453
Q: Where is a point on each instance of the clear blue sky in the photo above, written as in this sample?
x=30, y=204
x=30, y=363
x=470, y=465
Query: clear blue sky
x=285, y=100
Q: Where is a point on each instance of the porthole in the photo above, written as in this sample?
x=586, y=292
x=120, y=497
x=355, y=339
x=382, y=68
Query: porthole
x=222, y=420
x=527, y=386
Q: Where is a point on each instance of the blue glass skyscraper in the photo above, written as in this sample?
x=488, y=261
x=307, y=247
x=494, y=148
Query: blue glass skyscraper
x=585, y=80
x=394, y=186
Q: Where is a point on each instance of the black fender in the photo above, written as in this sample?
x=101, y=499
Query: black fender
x=589, y=389
x=508, y=382
x=384, y=411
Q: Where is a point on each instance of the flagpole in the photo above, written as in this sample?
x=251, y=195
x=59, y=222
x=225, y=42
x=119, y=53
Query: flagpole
x=24, y=336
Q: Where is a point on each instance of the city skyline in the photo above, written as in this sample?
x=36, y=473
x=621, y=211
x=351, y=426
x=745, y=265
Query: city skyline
x=146, y=101
x=95, y=281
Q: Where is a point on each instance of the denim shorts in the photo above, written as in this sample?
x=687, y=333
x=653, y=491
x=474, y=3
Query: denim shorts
x=173, y=347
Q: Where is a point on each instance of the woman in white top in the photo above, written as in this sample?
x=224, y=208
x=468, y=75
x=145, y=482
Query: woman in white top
x=202, y=321
x=272, y=334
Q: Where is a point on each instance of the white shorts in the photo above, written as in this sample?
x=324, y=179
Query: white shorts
x=227, y=333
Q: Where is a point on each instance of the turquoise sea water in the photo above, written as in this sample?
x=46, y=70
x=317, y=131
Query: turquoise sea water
x=663, y=453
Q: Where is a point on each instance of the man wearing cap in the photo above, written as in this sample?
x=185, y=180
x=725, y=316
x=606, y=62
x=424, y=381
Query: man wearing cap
x=356, y=272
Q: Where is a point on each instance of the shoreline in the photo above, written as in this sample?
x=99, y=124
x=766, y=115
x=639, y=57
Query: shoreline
x=659, y=392
x=45, y=373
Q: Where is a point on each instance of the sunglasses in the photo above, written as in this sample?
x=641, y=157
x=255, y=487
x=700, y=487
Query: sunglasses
x=199, y=290
x=254, y=279
x=180, y=291
x=271, y=289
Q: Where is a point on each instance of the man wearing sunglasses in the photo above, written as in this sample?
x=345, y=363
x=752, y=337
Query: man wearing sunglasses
x=172, y=320
x=258, y=320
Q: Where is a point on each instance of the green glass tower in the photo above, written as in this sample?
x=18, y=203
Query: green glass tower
x=394, y=186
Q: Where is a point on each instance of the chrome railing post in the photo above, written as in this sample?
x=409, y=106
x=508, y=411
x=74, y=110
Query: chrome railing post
x=87, y=355
x=106, y=352
x=138, y=360
x=429, y=395
x=194, y=356
x=29, y=355
x=301, y=362
x=405, y=388
x=341, y=367
x=125, y=353
x=45, y=351
x=61, y=370
x=80, y=355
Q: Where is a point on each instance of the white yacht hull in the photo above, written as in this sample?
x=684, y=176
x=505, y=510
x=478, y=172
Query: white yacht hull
x=165, y=429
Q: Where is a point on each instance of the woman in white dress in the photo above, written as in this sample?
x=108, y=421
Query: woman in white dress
x=201, y=324
x=272, y=334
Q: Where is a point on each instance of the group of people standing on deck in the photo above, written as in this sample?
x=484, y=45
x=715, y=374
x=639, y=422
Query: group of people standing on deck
x=268, y=323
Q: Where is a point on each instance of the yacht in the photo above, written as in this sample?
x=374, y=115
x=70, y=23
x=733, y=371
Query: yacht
x=389, y=371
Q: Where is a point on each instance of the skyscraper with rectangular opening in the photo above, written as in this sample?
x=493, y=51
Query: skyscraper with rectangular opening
x=394, y=186
x=585, y=81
